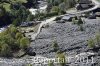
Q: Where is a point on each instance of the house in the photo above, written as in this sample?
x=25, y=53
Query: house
x=68, y=17
x=84, y=4
x=31, y=23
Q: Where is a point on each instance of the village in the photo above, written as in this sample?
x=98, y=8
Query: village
x=72, y=33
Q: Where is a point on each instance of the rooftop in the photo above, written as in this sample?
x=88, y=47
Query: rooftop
x=84, y=2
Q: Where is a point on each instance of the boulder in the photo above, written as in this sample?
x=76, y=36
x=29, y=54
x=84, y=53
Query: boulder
x=30, y=51
x=19, y=54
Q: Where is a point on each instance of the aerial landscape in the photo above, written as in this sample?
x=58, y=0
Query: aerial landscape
x=49, y=32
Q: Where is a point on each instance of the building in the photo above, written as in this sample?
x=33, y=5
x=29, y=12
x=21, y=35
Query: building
x=84, y=4
x=68, y=17
x=31, y=23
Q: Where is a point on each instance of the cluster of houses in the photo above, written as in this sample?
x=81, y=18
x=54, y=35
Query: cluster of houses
x=82, y=5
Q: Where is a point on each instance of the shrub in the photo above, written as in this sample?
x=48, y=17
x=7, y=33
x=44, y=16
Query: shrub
x=91, y=43
x=24, y=42
x=5, y=50
x=55, y=46
x=55, y=9
x=30, y=17
x=29, y=65
x=19, y=35
x=13, y=31
x=61, y=56
x=79, y=21
x=51, y=14
x=12, y=40
x=97, y=38
x=81, y=27
x=16, y=22
x=50, y=63
x=9, y=40
x=74, y=21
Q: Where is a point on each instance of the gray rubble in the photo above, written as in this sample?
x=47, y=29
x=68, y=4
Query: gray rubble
x=69, y=37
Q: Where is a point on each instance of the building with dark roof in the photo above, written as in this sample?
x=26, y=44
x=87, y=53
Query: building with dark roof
x=68, y=17
x=31, y=23
x=84, y=4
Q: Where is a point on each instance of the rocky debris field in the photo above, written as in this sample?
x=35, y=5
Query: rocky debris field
x=69, y=37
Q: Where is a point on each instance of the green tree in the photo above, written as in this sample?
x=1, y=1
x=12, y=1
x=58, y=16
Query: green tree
x=8, y=39
x=30, y=17
x=97, y=38
x=81, y=28
x=19, y=35
x=16, y=22
x=55, y=46
x=62, y=7
x=5, y=50
x=2, y=11
x=13, y=31
x=80, y=21
x=55, y=9
x=24, y=43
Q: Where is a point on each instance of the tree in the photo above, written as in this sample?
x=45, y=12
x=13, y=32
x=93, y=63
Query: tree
x=80, y=21
x=13, y=31
x=19, y=35
x=62, y=7
x=31, y=3
x=97, y=38
x=5, y=50
x=55, y=9
x=55, y=46
x=24, y=43
x=2, y=11
x=30, y=17
x=22, y=12
x=16, y=22
x=8, y=39
x=81, y=28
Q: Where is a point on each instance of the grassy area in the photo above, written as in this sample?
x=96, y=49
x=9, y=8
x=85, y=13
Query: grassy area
x=6, y=6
